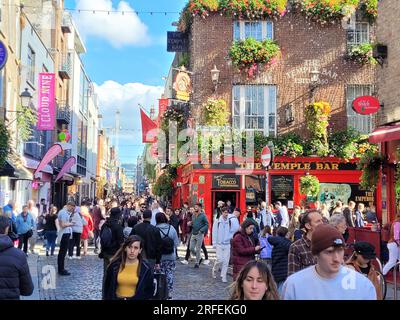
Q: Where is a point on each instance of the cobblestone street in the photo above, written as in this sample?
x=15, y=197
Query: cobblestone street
x=86, y=277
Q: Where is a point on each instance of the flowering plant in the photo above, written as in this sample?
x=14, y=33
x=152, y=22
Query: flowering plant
x=309, y=185
x=4, y=144
x=317, y=116
x=288, y=145
x=323, y=10
x=253, y=9
x=370, y=8
x=362, y=53
x=215, y=112
x=203, y=7
x=249, y=54
x=370, y=164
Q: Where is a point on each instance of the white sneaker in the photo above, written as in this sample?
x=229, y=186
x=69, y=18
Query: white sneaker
x=70, y=257
x=78, y=257
x=224, y=280
x=184, y=261
x=206, y=262
x=213, y=273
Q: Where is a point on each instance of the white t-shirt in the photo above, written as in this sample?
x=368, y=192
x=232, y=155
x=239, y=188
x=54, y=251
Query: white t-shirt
x=307, y=284
x=285, y=216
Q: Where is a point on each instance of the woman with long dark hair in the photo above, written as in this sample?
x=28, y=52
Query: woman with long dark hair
x=255, y=282
x=128, y=277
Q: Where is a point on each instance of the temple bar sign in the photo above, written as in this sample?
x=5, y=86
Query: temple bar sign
x=177, y=41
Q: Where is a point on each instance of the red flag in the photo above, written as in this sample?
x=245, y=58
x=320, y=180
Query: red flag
x=162, y=107
x=147, y=125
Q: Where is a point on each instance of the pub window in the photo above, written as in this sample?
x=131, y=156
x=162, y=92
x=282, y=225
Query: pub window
x=259, y=30
x=254, y=108
x=362, y=123
x=359, y=34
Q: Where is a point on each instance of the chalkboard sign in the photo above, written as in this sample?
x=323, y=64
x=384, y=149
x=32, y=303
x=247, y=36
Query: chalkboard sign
x=282, y=189
x=177, y=42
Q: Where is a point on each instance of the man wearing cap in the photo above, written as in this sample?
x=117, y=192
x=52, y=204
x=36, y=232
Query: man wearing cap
x=360, y=261
x=329, y=279
x=300, y=255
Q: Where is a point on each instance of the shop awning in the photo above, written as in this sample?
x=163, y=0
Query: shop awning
x=15, y=172
x=386, y=133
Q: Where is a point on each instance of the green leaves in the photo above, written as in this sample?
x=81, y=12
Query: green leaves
x=4, y=144
x=163, y=185
x=370, y=164
x=309, y=185
x=362, y=53
x=215, y=113
x=26, y=119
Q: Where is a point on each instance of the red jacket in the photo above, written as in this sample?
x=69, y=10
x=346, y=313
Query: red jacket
x=243, y=250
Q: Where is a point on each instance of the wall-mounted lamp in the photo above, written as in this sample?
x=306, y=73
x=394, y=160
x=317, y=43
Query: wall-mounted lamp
x=26, y=98
x=289, y=118
x=314, y=80
x=215, y=77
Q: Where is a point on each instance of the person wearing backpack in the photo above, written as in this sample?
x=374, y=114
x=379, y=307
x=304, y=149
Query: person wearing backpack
x=222, y=233
x=151, y=240
x=170, y=242
x=111, y=237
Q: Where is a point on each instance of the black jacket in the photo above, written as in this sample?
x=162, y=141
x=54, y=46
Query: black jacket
x=15, y=278
x=151, y=240
x=144, y=288
x=280, y=253
x=117, y=234
x=175, y=221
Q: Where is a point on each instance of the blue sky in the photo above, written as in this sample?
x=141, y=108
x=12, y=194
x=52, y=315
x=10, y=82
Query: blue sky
x=126, y=58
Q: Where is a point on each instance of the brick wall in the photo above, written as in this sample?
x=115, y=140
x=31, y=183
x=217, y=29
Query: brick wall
x=388, y=82
x=300, y=41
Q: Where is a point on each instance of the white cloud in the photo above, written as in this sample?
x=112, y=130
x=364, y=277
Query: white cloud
x=127, y=97
x=120, y=30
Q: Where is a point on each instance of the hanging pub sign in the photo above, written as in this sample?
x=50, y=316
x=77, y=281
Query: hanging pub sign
x=225, y=181
x=366, y=105
x=182, y=85
x=3, y=55
x=177, y=41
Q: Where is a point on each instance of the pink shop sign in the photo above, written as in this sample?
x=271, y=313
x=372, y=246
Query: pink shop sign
x=46, y=103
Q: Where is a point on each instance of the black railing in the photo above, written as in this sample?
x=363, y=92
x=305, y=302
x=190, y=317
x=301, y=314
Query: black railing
x=63, y=112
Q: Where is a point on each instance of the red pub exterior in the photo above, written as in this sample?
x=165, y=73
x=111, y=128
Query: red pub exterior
x=244, y=183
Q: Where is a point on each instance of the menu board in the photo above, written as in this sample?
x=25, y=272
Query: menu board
x=282, y=189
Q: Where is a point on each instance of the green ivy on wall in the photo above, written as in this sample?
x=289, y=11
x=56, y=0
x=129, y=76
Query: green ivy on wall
x=4, y=144
x=26, y=119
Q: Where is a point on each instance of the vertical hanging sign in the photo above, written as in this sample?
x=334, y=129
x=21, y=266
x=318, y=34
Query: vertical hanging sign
x=46, y=103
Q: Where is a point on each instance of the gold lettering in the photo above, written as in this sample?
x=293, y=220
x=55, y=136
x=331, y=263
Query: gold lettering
x=307, y=166
x=277, y=165
x=285, y=166
x=258, y=166
x=320, y=166
x=293, y=166
x=335, y=166
x=242, y=165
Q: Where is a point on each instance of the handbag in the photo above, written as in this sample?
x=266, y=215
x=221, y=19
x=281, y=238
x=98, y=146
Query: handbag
x=29, y=233
x=160, y=286
x=13, y=236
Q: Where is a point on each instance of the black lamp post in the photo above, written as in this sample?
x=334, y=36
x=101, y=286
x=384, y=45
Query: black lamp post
x=26, y=98
x=314, y=79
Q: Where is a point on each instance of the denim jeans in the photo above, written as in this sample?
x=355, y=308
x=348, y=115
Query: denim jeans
x=196, y=242
x=51, y=237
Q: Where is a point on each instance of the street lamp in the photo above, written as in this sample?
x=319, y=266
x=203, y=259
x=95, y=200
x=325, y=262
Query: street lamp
x=215, y=77
x=314, y=79
x=26, y=98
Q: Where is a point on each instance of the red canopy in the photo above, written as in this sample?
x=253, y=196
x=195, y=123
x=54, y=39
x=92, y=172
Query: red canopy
x=386, y=133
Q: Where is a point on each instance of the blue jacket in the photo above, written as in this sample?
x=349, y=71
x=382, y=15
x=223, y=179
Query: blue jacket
x=359, y=220
x=267, y=251
x=9, y=208
x=24, y=226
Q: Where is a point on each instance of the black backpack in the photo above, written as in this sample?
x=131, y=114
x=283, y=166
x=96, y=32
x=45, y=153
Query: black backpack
x=106, y=237
x=168, y=245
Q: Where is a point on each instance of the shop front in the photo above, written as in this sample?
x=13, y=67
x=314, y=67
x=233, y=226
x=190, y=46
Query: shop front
x=244, y=184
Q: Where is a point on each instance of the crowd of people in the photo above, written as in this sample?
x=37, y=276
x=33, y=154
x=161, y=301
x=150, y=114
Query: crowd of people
x=273, y=255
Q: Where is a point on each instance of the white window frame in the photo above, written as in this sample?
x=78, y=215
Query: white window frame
x=31, y=65
x=354, y=43
x=361, y=123
x=267, y=107
x=264, y=33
